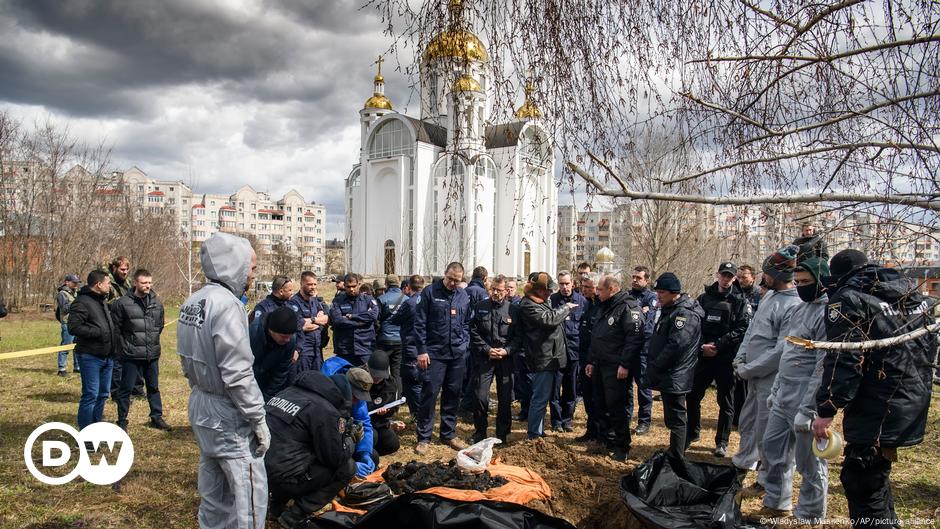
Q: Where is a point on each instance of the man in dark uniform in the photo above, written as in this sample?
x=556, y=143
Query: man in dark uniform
x=564, y=392
x=311, y=454
x=273, y=339
x=282, y=288
x=384, y=391
x=640, y=290
x=489, y=345
x=592, y=430
x=616, y=339
x=315, y=319
x=883, y=392
x=411, y=377
x=673, y=354
x=477, y=291
x=441, y=335
x=353, y=316
x=727, y=314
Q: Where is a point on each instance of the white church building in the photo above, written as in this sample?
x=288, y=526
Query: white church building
x=451, y=186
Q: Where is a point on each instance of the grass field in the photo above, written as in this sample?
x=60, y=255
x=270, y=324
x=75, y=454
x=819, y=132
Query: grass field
x=160, y=491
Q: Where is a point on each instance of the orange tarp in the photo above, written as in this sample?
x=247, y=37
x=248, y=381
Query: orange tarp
x=523, y=487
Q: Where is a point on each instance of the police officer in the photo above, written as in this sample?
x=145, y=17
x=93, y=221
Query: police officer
x=353, y=316
x=478, y=292
x=673, y=354
x=884, y=392
x=411, y=377
x=564, y=393
x=282, y=287
x=384, y=391
x=727, y=314
x=640, y=290
x=489, y=344
x=585, y=326
x=616, y=339
x=389, y=335
x=312, y=310
x=273, y=338
x=311, y=455
x=441, y=335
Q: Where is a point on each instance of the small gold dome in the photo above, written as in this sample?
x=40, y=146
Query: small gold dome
x=379, y=79
x=456, y=43
x=378, y=101
x=466, y=84
x=604, y=255
x=528, y=110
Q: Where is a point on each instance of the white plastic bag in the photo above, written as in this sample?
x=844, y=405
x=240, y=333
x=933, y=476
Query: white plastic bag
x=477, y=457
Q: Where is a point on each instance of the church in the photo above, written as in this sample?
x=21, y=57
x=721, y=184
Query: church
x=451, y=185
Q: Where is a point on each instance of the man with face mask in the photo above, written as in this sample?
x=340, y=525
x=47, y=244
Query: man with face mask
x=787, y=440
x=758, y=358
x=226, y=409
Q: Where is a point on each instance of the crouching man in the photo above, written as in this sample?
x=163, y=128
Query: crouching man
x=313, y=441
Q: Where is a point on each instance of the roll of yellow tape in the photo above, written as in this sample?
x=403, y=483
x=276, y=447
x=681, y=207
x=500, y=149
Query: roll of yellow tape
x=830, y=448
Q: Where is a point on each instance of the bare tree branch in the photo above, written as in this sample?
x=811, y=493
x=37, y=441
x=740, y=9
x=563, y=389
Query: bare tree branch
x=867, y=345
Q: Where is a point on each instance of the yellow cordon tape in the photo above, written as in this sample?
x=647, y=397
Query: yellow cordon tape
x=47, y=350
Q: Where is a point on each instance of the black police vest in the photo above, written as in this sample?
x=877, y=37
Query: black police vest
x=717, y=321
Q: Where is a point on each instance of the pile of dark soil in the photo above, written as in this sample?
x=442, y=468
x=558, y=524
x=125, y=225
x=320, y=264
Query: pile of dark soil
x=414, y=476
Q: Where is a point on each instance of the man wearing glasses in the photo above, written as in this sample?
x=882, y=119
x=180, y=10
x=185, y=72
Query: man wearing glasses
x=441, y=335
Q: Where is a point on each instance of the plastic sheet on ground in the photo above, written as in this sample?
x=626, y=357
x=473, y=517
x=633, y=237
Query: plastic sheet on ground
x=679, y=494
x=430, y=511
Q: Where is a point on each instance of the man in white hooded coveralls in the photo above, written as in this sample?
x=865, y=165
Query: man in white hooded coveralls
x=788, y=438
x=226, y=409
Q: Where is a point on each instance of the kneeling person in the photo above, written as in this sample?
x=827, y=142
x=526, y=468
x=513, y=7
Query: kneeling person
x=384, y=391
x=312, y=445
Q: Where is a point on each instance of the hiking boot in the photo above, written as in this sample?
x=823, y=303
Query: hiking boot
x=721, y=451
x=642, y=429
x=767, y=515
x=121, y=424
x=422, y=448
x=454, y=443
x=160, y=424
x=567, y=428
x=62, y=373
x=620, y=454
x=690, y=441
x=522, y=417
x=585, y=437
x=476, y=438
x=754, y=490
x=76, y=370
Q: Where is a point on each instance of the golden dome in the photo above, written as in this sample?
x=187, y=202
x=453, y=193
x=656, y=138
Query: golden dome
x=378, y=101
x=379, y=78
x=604, y=255
x=528, y=110
x=466, y=84
x=457, y=43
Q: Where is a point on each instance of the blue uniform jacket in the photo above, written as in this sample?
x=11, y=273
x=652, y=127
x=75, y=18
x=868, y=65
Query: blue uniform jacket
x=442, y=322
x=268, y=304
x=650, y=305
x=405, y=319
x=360, y=410
x=389, y=304
x=272, y=361
x=354, y=335
x=572, y=322
x=477, y=292
x=311, y=342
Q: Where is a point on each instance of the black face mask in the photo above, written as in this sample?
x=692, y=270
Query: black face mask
x=810, y=293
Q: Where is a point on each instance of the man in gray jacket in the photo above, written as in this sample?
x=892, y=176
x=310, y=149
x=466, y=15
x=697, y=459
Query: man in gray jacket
x=226, y=408
x=758, y=358
x=788, y=440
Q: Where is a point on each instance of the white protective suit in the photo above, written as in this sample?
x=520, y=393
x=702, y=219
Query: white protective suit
x=756, y=362
x=225, y=406
x=794, y=397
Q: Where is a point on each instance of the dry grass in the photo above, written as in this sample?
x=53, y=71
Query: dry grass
x=160, y=491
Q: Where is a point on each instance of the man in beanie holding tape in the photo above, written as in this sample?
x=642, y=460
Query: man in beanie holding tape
x=787, y=440
x=673, y=353
x=274, y=343
x=883, y=392
x=758, y=358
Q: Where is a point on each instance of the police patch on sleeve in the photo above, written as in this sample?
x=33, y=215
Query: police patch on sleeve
x=680, y=322
x=610, y=320
x=635, y=315
x=835, y=310
x=257, y=314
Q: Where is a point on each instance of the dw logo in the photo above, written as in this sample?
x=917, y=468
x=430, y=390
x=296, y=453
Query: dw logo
x=105, y=453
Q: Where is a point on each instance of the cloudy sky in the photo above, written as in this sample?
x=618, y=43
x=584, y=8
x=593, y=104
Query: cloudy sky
x=217, y=93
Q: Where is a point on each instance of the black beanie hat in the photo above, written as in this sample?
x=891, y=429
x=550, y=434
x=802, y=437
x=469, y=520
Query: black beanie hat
x=283, y=320
x=668, y=281
x=845, y=261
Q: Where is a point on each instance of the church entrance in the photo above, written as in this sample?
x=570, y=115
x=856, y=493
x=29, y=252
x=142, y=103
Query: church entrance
x=389, y=257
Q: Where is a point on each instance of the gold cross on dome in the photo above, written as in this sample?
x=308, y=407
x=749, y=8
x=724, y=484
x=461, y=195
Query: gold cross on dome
x=379, y=61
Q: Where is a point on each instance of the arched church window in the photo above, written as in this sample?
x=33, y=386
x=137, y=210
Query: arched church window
x=389, y=256
x=391, y=139
x=353, y=180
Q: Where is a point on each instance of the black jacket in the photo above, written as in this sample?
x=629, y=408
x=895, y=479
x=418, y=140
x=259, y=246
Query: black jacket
x=489, y=327
x=91, y=324
x=309, y=423
x=673, y=350
x=727, y=315
x=140, y=322
x=885, y=392
x=813, y=246
x=617, y=337
x=538, y=329
x=585, y=330
x=272, y=361
x=382, y=393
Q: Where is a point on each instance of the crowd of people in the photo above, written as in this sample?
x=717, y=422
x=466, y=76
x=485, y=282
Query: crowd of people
x=271, y=415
